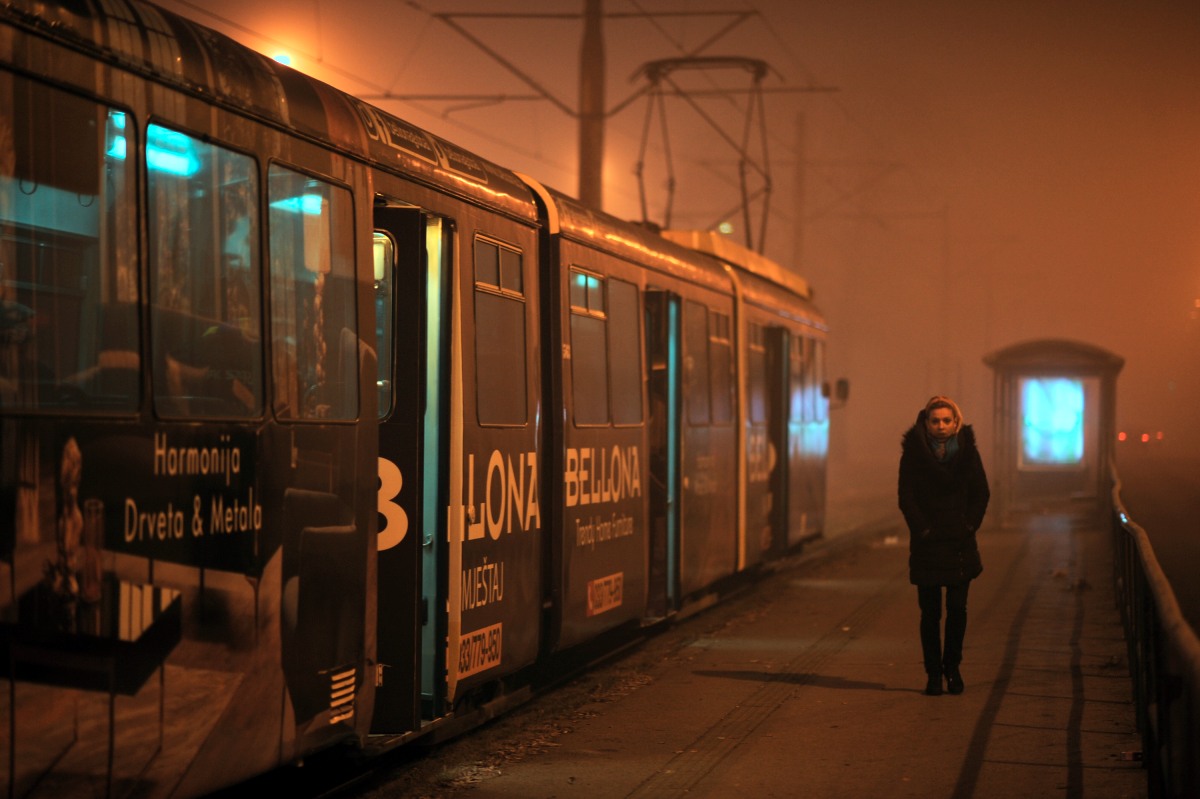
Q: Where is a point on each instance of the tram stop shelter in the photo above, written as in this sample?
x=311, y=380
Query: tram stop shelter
x=1055, y=420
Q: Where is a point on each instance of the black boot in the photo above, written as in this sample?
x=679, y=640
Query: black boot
x=933, y=686
x=954, y=680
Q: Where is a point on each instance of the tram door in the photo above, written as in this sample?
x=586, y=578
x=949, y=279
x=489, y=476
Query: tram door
x=412, y=276
x=663, y=363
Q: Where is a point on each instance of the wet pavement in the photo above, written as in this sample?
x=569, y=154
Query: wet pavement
x=810, y=684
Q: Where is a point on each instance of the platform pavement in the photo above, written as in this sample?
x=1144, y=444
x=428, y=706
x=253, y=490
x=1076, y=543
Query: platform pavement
x=810, y=686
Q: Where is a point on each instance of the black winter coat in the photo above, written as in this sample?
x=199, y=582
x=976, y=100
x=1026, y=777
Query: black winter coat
x=943, y=505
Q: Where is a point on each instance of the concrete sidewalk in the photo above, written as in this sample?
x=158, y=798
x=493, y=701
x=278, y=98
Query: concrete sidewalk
x=810, y=685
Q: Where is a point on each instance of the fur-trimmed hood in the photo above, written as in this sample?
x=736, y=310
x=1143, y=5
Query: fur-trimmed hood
x=916, y=439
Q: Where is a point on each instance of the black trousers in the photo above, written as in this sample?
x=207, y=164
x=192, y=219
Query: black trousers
x=939, y=659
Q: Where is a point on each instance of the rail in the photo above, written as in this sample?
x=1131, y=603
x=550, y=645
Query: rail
x=1164, y=660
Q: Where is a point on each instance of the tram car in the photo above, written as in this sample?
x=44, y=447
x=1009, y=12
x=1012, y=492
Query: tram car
x=317, y=430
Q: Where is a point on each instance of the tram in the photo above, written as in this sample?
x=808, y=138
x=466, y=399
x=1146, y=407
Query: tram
x=317, y=430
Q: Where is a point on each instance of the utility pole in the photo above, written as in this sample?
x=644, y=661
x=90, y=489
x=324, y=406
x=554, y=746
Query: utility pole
x=591, y=106
x=591, y=110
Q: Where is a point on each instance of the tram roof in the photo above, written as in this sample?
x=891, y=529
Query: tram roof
x=164, y=47
x=640, y=244
x=673, y=251
x=734, y=254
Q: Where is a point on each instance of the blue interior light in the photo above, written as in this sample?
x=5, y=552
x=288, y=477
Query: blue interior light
x=170, y=151
x=117, y=148
x=312, y=204
x=1052, y=411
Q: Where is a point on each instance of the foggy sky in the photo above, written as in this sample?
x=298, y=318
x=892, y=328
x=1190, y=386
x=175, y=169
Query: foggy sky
x=986, y=173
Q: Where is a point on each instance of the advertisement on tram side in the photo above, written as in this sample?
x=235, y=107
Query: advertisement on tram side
x=131, y=553
x=604, y=551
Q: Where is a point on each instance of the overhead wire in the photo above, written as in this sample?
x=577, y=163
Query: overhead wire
x=377, y=92
x=887, y=164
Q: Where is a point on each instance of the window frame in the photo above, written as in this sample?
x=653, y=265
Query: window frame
x=386, y=359
x=270, y=299
x=640, y=370
x=500, y=291
x=695, y=311
x=720, y=323
x=260, y=197
x=757, y=401
x=603, y=312
x=588, y=313
x=132, y=403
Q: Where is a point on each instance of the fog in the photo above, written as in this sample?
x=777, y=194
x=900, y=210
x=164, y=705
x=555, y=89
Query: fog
x=957, y=177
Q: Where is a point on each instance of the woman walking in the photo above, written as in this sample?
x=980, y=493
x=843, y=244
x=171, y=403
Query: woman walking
x=943, y=494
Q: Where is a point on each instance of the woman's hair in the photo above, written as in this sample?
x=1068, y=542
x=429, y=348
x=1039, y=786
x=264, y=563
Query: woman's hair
x=939, y=401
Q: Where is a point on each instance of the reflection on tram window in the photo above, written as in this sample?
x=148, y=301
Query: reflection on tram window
x=1052, y=411
x=206, y=328
x=68, y=253
x=314, y=342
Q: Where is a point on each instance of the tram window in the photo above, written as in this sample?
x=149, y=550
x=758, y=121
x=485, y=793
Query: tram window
x=510, y=271
x=624, y=352
x=68, y=253
x=487, y=264
x=314, y=323
x=797, y=378
x=578, y=290
x=589, y=349
x=205, y=278
x=720, y=350
x=500, y=348
x=757, y=388
x=695, y=362
x=817, y=373
x=384, y=258
x=811, y=383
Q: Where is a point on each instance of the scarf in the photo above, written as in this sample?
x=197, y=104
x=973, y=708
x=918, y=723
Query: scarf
x=943, y=450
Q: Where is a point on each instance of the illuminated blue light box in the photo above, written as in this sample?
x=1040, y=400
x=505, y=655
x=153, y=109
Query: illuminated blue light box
x=1052, y=411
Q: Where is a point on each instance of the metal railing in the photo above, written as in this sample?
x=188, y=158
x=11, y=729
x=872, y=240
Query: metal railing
x=1164, y=660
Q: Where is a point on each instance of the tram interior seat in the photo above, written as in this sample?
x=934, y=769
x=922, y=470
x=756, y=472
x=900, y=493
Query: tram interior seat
x=204, y=367
x=113, y=378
